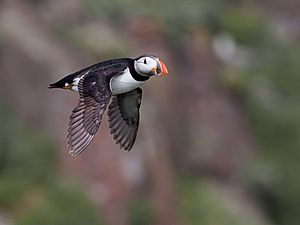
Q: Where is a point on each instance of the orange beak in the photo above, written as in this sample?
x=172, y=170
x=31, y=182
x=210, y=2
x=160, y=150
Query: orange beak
x=163, y=67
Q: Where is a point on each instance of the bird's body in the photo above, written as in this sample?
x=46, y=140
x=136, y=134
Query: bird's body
x=124, y=83
x=118, y=79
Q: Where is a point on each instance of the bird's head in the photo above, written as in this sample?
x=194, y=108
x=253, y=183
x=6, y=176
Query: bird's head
x=150, y=65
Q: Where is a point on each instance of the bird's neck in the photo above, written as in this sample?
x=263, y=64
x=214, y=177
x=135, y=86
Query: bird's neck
x=123, y=83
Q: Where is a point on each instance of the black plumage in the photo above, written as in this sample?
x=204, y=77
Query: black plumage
x=128, y=62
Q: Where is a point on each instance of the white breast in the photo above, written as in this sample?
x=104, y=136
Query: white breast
x=123, y=83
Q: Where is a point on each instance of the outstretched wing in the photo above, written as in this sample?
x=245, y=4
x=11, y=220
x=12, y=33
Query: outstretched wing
x=124, y=117
x=94, y=96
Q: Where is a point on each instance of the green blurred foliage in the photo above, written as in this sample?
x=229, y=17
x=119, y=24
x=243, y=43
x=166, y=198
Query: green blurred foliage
x=27, y=157
x=270, y=91
x=247, y=26
x=96, y=41
x=204, y=202
x=60, y=205
x=176, y=17
x=272, y=103
x=140, y=211
x=30, y=188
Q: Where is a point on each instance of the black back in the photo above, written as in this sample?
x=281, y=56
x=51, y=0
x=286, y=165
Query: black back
x=127, y=61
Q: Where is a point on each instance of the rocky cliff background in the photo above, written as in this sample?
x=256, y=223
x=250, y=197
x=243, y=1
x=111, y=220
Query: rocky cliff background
x=219, y=137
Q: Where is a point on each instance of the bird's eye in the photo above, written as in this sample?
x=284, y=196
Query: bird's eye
x=145, y=61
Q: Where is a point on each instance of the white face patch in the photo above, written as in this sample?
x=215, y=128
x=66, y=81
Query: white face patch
x=146, y=66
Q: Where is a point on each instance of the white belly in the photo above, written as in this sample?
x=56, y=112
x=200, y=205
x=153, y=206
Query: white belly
x=123, y=83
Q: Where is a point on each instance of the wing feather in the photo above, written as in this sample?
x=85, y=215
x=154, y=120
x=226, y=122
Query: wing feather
x=123, y=117
x=94, y=96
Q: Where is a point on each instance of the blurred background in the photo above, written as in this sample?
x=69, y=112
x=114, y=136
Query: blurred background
x=218, y=142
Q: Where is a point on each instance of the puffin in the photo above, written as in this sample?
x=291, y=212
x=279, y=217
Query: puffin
x=113, y=84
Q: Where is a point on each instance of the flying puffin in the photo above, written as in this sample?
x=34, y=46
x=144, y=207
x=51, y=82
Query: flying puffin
x=116, y=79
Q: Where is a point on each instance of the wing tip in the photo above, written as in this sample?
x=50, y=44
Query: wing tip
x=73, y=152
x=76, y=152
